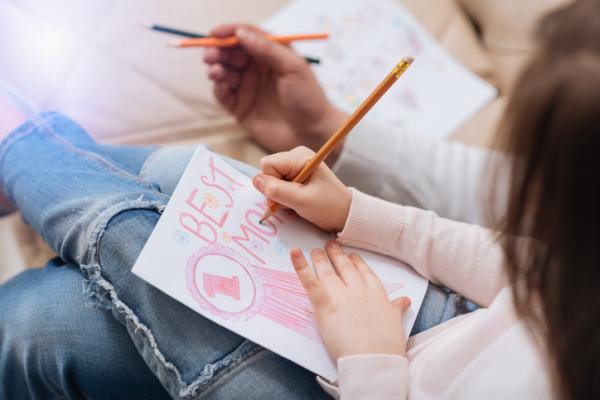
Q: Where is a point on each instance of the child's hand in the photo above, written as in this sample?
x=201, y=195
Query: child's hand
x=352, y=310
x=271, y=90
x=323, y=200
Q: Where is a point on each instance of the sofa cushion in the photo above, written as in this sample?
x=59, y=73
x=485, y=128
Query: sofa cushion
x=507, y=29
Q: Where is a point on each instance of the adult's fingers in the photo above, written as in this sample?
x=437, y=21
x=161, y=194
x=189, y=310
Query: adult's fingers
x=224, y=95
x=225, y=30
x=218, y=73
x=234, y=58
x=281, y=58
x=342, y=264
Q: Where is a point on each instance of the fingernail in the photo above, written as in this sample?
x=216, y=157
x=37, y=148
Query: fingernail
x=259, y=182
x=296, y=253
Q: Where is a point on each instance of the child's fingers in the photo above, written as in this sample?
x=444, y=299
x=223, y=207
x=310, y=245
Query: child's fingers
x=288, y=194
x=286, y=164
x=367, y=273
x=324, y=269
x=401, y=304
x=344, y=267
x=314, y=288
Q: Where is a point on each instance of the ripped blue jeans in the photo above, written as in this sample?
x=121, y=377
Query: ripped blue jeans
x=96, y=206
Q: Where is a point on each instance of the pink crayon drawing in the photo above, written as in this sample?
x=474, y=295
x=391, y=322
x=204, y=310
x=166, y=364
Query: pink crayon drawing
x=226, y=284
x=286, y=303
x=218, y=284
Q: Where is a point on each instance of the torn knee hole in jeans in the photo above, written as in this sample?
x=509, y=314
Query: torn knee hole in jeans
x=102, y=293
x=98, y=289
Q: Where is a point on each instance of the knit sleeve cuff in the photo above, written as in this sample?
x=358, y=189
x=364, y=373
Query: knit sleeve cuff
x=373, y=224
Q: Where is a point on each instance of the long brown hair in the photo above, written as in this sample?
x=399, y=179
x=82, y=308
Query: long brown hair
x=552, y=133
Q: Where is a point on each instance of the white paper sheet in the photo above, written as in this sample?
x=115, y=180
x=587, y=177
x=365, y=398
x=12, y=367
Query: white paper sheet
x=209, y=252
x=368, y=37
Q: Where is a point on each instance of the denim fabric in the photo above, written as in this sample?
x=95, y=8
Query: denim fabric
x=90, y=205
x=52, y=346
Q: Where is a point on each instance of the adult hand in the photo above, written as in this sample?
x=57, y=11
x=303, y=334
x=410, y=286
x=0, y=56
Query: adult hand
x=271, y=91
x=353, y=313
x=323, y=200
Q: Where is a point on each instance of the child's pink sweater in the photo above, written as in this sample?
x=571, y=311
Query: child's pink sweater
x=483, y=355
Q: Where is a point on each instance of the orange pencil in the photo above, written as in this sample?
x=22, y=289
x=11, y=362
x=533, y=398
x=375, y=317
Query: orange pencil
x=343, y=130
x=232, y=41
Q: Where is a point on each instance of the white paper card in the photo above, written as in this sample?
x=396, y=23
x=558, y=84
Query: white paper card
x=209, y=251
x=367, y=38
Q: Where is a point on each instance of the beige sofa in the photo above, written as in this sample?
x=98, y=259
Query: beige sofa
x=92, y=61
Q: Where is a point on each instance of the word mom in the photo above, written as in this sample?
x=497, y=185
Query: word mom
x=207, y=223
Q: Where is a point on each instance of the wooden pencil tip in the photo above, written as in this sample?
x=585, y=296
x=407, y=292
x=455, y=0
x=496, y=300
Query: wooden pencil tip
x=265, y=217
x=174, y=44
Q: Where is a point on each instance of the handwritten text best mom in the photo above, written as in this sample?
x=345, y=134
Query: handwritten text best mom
x=206, y=223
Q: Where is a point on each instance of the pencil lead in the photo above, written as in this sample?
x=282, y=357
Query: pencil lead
x=174, y=44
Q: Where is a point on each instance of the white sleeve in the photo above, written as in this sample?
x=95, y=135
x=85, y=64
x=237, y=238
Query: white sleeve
x=414, y=170
x=373, y=376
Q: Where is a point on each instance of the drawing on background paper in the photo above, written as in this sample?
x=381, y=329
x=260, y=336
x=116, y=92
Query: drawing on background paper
x=210, y=252
x=367, y=38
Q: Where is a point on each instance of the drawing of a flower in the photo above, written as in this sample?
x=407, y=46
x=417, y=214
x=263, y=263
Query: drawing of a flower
x=211, y=201
x=281, y=247
x=257, y=246
x=181, y=238
x=226, y=237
